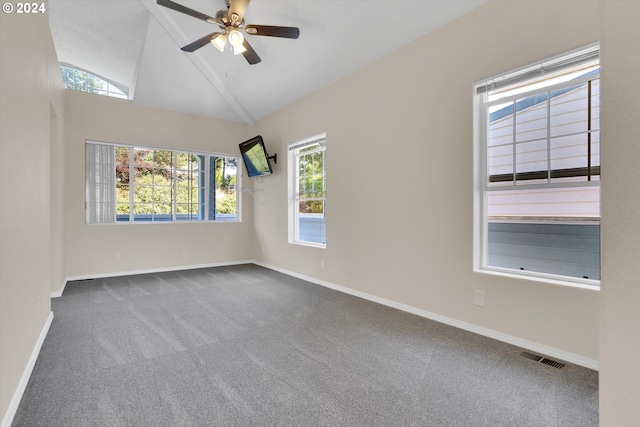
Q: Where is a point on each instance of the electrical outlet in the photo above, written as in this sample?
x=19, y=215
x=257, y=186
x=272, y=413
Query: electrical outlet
x=117, y=256
x=479, y=297
x=321, y=262
x=264, y=250
x=185, y=254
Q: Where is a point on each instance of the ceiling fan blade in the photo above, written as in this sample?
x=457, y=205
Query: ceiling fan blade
x=249, y=54
x=238, y=7
x=183, y=9
x=273, y=31
x=199, y=43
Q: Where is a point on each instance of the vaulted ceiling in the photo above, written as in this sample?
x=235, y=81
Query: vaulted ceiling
x=136, y=45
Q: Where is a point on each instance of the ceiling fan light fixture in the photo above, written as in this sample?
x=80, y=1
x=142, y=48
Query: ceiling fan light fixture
x=219, y=41
x=235, y=38
x=237, y=50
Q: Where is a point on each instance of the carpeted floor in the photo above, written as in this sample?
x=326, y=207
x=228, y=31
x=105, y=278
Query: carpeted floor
x=247, y=346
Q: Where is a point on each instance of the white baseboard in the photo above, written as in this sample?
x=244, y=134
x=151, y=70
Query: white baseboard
x=509, y=339
x=59, y=293
x=26, y=374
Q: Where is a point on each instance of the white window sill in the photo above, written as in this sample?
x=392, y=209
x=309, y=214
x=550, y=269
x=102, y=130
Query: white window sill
x=586, y=284
x=310, y=244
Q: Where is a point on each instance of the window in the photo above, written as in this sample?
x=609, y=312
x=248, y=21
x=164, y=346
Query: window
x=76, y=79
x=139, y=184
x=308, y=191
x=538, y=170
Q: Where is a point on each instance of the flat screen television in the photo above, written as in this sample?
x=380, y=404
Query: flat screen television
x=255, y=157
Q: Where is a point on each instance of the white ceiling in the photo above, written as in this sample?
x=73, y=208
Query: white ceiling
x=136, y=45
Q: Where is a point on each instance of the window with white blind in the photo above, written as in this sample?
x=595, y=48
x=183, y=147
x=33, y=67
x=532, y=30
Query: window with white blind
x=308, y=191
x=140, y=184
x=538, y=170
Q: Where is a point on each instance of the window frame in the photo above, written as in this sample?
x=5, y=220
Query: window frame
x=206, y=188
x=293, y=184
x=482, y=187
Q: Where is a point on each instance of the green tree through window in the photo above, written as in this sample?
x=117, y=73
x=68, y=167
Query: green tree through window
x=165, y=185
x=83, y=81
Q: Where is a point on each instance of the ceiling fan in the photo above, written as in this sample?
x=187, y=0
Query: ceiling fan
x=231, y=22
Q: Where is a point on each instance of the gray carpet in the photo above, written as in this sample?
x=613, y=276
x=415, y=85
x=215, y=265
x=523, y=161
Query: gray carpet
x=247, y=346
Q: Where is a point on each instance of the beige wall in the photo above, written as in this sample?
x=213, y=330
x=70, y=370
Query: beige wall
x=620, y=296
x=89, y=249
x=31, y=88
x=400, y=176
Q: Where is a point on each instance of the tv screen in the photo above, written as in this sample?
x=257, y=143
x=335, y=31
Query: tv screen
x=254, y=155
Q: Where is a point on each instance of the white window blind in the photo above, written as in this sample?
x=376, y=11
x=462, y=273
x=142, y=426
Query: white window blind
x=580, y=58
x=100, y=184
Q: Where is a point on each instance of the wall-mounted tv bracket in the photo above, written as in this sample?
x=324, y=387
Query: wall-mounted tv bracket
x=274, y=157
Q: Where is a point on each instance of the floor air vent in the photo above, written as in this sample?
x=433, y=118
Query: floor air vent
x=544, y=360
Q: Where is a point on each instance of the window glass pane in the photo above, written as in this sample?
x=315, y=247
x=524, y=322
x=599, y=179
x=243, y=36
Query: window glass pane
x=225, y=195
x=304, y=163
x=595, y=104
x=569, y=155
x=501, y=124
x=161, y=177
x=318, y=185
x=318, y=161
x=162, y=208
x=190, y=188
x=142, y=195
x=501, y=165
x=531, y=162
x=122, y=193
x=552, y=203
x=182, y=161
x=163, y=159
x=311, y=222
x=142, y=158
x=182, y=208
x=311, y=207
x=122, y=209
x=531, y=118
x=143, y=208
x=569, y=110
x=595, y=149
x=304, y=187
x=122, y=165
x=163, y=195
x=186, y=178
x=186, y=195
